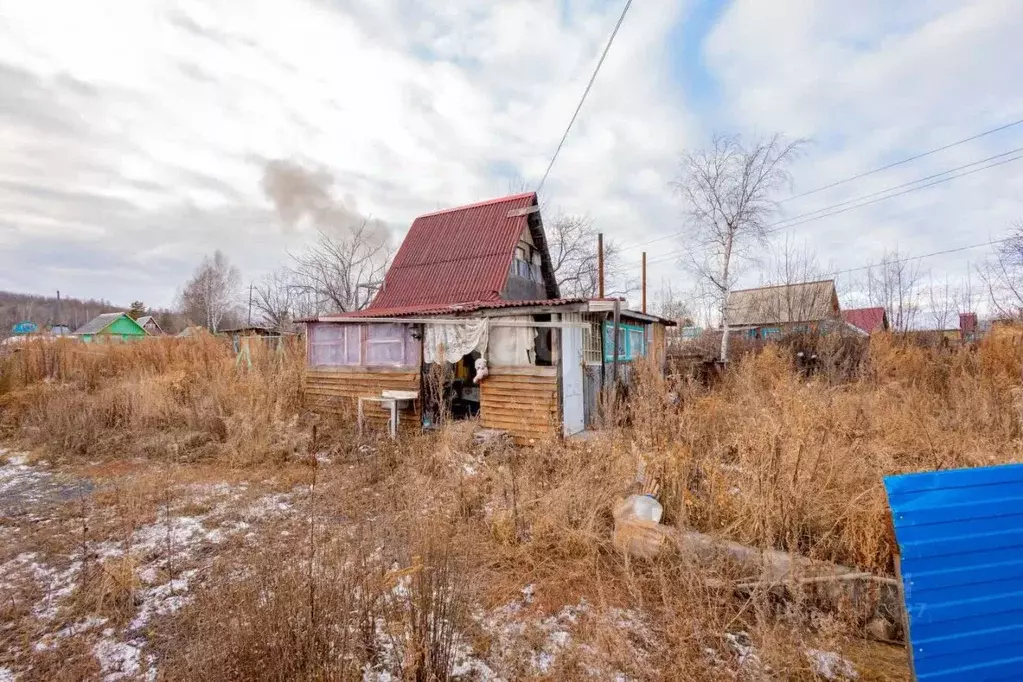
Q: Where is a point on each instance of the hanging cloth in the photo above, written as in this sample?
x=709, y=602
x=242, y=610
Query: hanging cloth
x=513, y=346
x=448, y=342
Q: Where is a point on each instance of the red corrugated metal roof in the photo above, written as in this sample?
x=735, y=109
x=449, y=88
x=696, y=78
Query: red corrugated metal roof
x=456, y=255
x=431, y=310
x=870, y=320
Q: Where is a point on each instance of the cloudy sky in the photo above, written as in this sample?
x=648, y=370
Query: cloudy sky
x=134, y=134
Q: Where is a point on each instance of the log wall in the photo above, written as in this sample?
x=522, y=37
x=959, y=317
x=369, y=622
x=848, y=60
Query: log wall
x=522, y=401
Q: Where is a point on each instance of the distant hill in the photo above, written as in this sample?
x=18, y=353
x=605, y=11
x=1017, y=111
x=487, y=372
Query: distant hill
x=74, y=312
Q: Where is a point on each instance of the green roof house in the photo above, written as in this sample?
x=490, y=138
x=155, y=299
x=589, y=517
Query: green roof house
x=110, y=327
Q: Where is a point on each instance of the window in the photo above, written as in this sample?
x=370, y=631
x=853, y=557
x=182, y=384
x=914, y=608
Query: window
x=631, y=342
x=334, y=345
x=637, y=343
x=591, y=344
x=391, y=345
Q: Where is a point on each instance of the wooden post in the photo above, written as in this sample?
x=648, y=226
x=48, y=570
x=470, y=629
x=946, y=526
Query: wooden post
x=600, y=265
x=644, y=281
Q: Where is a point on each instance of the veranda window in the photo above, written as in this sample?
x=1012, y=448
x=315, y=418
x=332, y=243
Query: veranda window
x=334, y=345
x=391, y=345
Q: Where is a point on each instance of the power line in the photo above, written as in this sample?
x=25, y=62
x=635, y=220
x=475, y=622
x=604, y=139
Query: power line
x=586, y=92
x=876, y=170
x=897, y=187
x=921, y=257
x=906, y=160
x=785, y=224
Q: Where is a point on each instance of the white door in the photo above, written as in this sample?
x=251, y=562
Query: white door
x=572, y=380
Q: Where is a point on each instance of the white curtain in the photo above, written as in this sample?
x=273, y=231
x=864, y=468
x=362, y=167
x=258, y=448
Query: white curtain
x=512, y=346
x=449, y=342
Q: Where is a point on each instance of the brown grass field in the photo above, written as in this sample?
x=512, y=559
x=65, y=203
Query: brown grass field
x=166, y=514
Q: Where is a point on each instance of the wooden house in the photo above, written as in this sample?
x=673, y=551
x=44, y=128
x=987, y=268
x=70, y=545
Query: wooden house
x=764, y=312
x=469, y=284
x=110, y=327
x=868, y=320
x=149, y=323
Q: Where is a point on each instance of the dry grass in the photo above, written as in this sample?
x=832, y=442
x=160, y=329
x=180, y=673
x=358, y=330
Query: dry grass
x=169, y=399
x=412, y=557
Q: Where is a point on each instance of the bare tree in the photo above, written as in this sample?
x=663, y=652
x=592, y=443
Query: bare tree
x=212, y=292
x=1003, y=275
x=792, y=264
x=967, y=295
x=350, y=252
x=340, y=270
x=941, y=301
x=728, y=191
x=275, y=299
x=894, y=284
x=673, y=305
x=572, y=244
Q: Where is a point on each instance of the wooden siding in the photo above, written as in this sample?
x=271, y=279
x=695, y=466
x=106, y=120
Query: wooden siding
x=522, y=401
x=337, y=390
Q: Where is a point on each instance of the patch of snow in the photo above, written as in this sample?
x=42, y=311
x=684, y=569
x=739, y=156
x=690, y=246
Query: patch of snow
x=50, y=641
x=118, y=660
x=178, y=533
x=511, y=626
x=7, y=675
x=267, y=506
x=56, y=584
x=163, y=599
x=831, y=666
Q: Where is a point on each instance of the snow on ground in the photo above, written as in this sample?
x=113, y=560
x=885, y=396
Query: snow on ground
x=831, y=666
x=518, y=633
x=169, y=555
x=25, y=487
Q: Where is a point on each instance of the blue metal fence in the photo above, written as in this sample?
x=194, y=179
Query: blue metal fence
x=960, y=533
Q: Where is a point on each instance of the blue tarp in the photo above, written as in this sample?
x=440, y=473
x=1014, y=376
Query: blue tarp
x=960, y=534
x=24, y=328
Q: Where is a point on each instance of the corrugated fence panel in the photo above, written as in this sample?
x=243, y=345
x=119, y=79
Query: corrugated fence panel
x=960, y=533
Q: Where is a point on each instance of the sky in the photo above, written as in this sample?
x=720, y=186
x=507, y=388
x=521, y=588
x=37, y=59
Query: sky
x=135, y=135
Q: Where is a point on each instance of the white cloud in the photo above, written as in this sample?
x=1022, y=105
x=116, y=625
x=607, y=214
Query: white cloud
x=165, y=113
x=871, y=83
x=135, y=134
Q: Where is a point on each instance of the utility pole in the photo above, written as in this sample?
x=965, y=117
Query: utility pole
x=644, y=281
x=250, y=304
x=600, y=265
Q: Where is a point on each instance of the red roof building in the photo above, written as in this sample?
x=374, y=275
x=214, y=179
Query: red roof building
x=482, y=253
x=870, y=320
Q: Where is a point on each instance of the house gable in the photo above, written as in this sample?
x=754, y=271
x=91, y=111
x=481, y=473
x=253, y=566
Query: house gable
x=466, y=255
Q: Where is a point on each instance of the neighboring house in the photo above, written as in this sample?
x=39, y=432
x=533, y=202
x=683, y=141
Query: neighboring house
x=473, y=283
x=148, y=322
x=110, y=327
x=868, y=320
x=769, y=311
x=59, y=330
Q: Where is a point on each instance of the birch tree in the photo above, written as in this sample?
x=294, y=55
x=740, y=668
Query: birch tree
x=728, y=194
x=212, y=292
